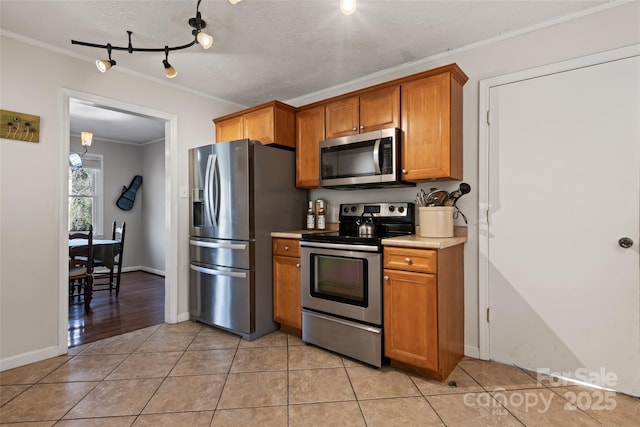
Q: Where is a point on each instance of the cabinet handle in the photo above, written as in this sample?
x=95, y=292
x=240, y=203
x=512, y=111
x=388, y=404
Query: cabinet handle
x=386, y=278
x=407, y=260
x=286, y=248
x=297, y=265
x=404, y=171
x=361, y=126
x=354, y=128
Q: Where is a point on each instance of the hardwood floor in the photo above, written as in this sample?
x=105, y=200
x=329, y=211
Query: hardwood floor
x=139, y=305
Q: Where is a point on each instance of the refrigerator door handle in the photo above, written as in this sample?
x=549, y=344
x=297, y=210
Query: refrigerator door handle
x=238, y=246
x=214, y=197
x=207, y=191
x=213, y=272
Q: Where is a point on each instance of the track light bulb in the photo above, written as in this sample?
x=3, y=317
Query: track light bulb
x=347, y=7
x=234, y=1
x=105, y=65
x=169, y=71
x=205, y=40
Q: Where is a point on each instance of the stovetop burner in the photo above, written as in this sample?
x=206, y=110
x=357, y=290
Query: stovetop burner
x=389, y=219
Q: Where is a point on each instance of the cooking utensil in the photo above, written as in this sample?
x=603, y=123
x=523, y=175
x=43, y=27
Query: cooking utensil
x=463, y=189
x=437, y=198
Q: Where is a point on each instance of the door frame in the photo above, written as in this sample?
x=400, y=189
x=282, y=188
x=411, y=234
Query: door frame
x=171, y=205
x=484, y=210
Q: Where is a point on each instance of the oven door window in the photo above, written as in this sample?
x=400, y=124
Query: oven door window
x=338, y=278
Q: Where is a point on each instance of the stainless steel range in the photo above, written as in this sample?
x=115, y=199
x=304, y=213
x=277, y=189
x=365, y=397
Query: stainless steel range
x=342, y=279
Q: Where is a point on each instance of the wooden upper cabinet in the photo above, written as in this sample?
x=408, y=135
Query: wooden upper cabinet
x=269, y=123
x=309, y=133
x=370, y=110
x=380, y=109
x=342, y=117
x=432, y=125
x=230, y=129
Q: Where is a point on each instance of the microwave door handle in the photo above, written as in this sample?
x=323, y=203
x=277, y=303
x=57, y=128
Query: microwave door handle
x=376, y=156
x=207, y=191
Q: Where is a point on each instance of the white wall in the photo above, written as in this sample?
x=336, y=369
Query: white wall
x=609, y=29
x=31, y=184
x=153, y=236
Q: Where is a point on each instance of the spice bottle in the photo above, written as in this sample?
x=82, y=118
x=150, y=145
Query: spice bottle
x=311, y=217
x=320, y=215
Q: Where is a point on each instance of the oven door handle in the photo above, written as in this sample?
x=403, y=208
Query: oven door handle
x=339, y=246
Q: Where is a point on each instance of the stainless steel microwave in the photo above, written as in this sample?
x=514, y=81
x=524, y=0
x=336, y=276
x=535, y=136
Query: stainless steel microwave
x=366, y=160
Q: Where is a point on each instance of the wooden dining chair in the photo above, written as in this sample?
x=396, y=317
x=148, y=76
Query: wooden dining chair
x=110, y=279
x=81, y=266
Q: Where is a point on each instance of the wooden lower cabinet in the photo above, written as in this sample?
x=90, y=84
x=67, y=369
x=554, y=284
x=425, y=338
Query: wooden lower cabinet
x=424, y=309
x=287, y=308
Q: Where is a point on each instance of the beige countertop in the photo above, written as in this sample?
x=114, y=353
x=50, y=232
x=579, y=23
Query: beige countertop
x=415, y=241
x=297, y=234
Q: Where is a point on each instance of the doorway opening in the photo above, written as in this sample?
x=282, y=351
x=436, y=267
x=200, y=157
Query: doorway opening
x=131, y=140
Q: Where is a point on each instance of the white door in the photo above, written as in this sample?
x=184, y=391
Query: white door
x=563, y=188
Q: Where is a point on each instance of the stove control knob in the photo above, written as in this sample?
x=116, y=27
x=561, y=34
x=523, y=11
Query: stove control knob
x=353, y=208
x=346, y=209
x=392, y=208
x=401, y=209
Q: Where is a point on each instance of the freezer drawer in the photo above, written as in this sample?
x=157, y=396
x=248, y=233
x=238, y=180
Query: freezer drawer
x=235, y=253
x=222, y=297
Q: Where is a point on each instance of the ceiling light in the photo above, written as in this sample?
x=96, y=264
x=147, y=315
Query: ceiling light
x=234, y=1
x=86, y=138
x=105, y=65
x=169, y=71
x=347, y=7
x=204, y=39
x=199, y=37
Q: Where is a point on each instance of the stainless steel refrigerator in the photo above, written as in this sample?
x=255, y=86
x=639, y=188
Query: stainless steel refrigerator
x=241, y=191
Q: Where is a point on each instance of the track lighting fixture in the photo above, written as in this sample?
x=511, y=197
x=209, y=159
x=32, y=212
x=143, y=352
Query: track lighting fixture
x=105, y=65
x=199, y=37
x=169, y=71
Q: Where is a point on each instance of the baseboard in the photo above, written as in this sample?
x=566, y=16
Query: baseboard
x=150, y=270
x=470, y=351
x=26, y=358
x=183, y=317
x=134, y=268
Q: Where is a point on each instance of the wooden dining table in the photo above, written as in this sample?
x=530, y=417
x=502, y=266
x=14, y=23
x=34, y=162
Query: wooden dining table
x=104, y=250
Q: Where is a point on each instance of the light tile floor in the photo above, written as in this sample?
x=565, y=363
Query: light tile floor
x=193, y=375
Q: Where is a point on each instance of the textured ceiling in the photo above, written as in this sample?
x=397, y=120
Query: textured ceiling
x=275, y=49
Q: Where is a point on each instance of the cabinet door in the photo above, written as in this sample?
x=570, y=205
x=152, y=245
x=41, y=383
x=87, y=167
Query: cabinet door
x=411, y=318
x=287, y=308
x=432, y=144
x=259, y=125
x=309, y=133
x=380, y=109
x=230, y=129
x=342, y=117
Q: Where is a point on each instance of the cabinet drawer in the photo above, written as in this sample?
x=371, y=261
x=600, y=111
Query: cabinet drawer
x=420, y=260
x=286, y=247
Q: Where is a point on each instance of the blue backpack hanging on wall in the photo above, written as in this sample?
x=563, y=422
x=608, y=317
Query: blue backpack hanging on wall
x=128, y=196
